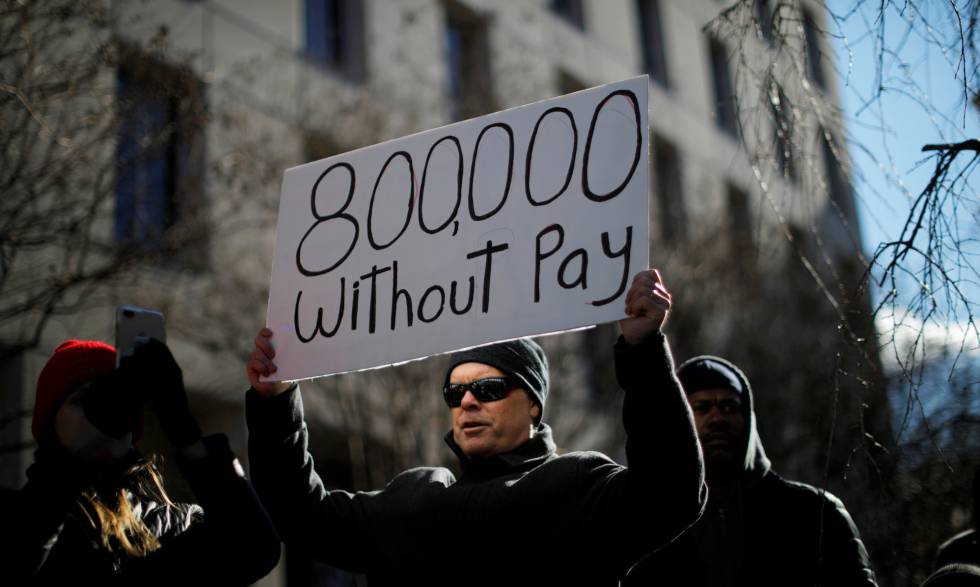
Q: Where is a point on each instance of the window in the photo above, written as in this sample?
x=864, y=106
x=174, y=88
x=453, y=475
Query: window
x=725, y=114
x=669, y=191
x=739, y=220
x=468, y=63
x=570, y=10
x=764, y=19
x=814, y=56
x=652, y=38
x=782, y=122
x=334, y=36
x=159, y=156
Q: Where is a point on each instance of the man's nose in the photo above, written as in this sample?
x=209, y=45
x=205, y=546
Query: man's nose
x=716, y=418
x=469, y=401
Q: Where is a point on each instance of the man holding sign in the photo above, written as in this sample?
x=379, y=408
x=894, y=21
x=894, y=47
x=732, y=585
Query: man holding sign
x=519, y=513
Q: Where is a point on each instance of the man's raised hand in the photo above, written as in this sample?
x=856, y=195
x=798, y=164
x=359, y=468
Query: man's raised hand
x=647, y=304
x=260, y=364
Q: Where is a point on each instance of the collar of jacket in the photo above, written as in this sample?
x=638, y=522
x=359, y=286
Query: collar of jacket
x=527, y=456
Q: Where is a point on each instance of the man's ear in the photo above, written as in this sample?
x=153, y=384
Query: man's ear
x=535, y=411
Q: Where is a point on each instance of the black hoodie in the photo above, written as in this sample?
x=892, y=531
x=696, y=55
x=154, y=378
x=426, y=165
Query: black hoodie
x=766, y=531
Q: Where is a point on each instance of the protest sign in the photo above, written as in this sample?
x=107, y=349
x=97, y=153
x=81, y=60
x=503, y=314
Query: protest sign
x=528, y=221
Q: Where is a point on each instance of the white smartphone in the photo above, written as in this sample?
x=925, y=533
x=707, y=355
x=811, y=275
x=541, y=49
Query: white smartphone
x=136, y=326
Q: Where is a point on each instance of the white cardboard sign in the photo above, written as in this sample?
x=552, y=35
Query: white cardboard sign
x=528, y=221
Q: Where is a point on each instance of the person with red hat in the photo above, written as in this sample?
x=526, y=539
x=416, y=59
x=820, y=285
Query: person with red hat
x=94, y=510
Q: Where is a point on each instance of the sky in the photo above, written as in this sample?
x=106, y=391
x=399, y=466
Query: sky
x=886, y=135
x=896, y=127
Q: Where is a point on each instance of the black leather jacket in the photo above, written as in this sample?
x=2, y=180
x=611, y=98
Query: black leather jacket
x=46, y=539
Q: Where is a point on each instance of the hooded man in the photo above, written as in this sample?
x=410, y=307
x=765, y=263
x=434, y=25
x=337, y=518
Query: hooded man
x=519, y=514
x=758, y=528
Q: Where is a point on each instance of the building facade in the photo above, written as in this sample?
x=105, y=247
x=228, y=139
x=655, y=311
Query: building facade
x=752, y=219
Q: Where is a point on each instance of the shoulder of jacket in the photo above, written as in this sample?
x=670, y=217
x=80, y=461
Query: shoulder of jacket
x=416, y=475
x=801, y=491
x=582, y=459
x=813, y=491
x=965, y=537
x=164, y=519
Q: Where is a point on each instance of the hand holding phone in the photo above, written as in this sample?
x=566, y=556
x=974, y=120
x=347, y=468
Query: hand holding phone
x=114, y=403
x=153, y=372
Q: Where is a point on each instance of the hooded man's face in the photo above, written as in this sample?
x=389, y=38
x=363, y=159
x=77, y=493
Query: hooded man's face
x=721, y=428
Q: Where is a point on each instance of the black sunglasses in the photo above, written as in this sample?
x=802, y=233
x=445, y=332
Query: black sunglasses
x=489, y=389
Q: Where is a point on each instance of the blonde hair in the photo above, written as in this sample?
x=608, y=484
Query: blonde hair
x=119, y=530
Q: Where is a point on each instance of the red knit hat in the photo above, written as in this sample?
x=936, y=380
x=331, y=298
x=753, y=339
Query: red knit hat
x=73, y=363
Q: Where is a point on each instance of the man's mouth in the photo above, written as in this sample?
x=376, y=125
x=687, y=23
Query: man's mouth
x=473, y=427
x=718, y=439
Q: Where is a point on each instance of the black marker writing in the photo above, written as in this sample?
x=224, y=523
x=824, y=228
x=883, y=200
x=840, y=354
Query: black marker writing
x=326, y=218
x=586, y=188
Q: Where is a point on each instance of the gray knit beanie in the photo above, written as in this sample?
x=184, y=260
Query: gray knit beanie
x=521, y=359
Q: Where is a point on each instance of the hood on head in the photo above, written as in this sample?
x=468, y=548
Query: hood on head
x=706, y=371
